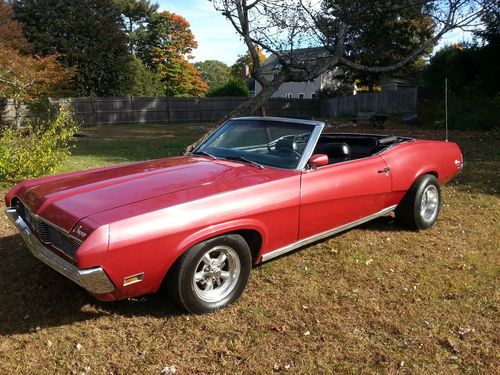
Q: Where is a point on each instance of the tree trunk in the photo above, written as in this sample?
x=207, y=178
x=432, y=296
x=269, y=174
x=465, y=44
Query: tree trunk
x=246, y=108
x=17, y=114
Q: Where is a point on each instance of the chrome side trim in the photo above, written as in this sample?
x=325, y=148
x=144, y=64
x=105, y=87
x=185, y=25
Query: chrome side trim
x=328, y=233
x=93, y=279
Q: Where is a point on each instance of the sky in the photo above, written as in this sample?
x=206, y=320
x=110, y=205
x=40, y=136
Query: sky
x=217, y=39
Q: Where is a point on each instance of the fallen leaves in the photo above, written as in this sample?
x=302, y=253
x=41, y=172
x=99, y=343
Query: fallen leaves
x=464, y=332
x=168, y=370
x=281, y=328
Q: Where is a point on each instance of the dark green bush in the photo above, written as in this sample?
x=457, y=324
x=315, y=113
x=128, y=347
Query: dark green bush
x=233, y=87
x=466, y=112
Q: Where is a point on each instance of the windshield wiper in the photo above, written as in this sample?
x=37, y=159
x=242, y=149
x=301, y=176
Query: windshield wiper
x=245, y=160
x=204, y=153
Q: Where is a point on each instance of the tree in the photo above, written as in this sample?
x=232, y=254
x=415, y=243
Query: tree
x=215, y=73
x=238, y=68
x=145, y=82
x=86, y=35
x=233, y=87
x=23, y=77
x=134, y=15
x=181, y=78
x=282, y=27
x=337, y=28
x=11, y=33
x=408, y=29
x=491, y=31
x=165, y=46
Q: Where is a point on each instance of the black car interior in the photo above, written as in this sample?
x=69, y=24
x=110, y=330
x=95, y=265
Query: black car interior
x=344, y=147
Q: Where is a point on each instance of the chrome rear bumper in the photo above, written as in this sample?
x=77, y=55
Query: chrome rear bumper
x=93, y=279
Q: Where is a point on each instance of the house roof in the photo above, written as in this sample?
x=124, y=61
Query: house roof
x=399, y=81
x=272, y=64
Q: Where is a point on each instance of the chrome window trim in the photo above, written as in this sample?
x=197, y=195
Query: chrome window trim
x=322, y=235
x=311, y=145
x=94, y=279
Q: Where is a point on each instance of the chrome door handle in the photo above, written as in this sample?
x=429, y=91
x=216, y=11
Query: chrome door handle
x=385, y=170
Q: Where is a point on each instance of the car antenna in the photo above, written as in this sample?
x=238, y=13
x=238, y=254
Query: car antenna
x=446, y=108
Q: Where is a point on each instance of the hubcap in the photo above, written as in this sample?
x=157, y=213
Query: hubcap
x=430, y=203
x=216, y=274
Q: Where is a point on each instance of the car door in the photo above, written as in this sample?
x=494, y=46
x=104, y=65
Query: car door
x=338, y=194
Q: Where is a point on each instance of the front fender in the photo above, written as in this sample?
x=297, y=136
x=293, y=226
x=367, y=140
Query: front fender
x=220, y=229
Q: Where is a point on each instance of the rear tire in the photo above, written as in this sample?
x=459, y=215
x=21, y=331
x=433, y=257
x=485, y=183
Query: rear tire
x=211, y=274
x=420, y=206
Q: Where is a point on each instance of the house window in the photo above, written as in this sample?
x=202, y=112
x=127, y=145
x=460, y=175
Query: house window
x=301, y=95
x=289, y=95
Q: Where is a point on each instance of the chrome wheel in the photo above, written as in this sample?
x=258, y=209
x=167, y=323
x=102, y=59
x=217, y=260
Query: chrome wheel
x=430, y=203
x=216, y=274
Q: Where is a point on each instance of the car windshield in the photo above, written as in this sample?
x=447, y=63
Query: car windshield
x=263, y=143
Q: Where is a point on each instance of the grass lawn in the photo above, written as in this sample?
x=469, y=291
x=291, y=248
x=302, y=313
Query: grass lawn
x=377, y=299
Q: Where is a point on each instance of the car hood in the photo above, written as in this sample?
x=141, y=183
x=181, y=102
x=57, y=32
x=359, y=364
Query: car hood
x=66, y=199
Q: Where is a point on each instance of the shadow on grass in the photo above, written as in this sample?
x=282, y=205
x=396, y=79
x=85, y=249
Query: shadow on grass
x=33, y=296
x=118, y=143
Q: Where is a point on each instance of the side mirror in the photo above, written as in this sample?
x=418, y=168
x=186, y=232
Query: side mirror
x=317, y=160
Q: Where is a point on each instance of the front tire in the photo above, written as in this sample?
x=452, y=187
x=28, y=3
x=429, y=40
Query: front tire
x=420, y=207
x=210, y=275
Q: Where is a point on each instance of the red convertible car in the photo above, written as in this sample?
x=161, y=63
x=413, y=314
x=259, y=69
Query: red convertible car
x=257, y=188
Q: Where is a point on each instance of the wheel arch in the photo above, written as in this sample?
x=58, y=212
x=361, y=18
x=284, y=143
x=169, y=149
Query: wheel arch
x=253, y=232
x=432, y=170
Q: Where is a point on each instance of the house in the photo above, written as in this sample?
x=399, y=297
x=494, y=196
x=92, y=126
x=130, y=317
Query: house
x=301, y=90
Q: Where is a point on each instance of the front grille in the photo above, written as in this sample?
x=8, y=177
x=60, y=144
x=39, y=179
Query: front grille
x=47, y=233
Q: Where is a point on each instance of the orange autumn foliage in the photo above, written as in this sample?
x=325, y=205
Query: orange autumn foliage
x=168, y=49
x=24, y=76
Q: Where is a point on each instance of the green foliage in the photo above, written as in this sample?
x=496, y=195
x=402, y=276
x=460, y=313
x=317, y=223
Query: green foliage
x=38, y=149
x=134, y=15
x=86, y=35
x=145, y=82
x=473, y=92
x=464, y=112
x=215, y=73
x=233, y=87
x=380, y=34
x=469, y=68
x=331, y=92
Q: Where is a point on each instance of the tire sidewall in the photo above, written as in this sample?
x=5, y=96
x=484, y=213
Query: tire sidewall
x=422, y=184
x=188, y=296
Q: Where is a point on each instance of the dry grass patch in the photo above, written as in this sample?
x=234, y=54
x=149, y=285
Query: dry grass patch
x=377, y=299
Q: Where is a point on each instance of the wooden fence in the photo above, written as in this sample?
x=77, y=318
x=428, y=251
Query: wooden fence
x=398, y=101
x=97, y=111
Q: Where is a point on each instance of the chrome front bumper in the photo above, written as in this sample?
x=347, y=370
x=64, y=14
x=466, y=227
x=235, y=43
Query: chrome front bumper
x=94, y=279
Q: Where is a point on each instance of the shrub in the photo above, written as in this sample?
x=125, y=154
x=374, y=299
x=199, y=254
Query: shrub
x=36, y=149
x=233, y=87
x=330, y=91
x=465, y=112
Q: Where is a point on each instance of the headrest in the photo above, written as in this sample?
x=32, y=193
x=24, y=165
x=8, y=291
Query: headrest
x=286, y=145
x=338, y=150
